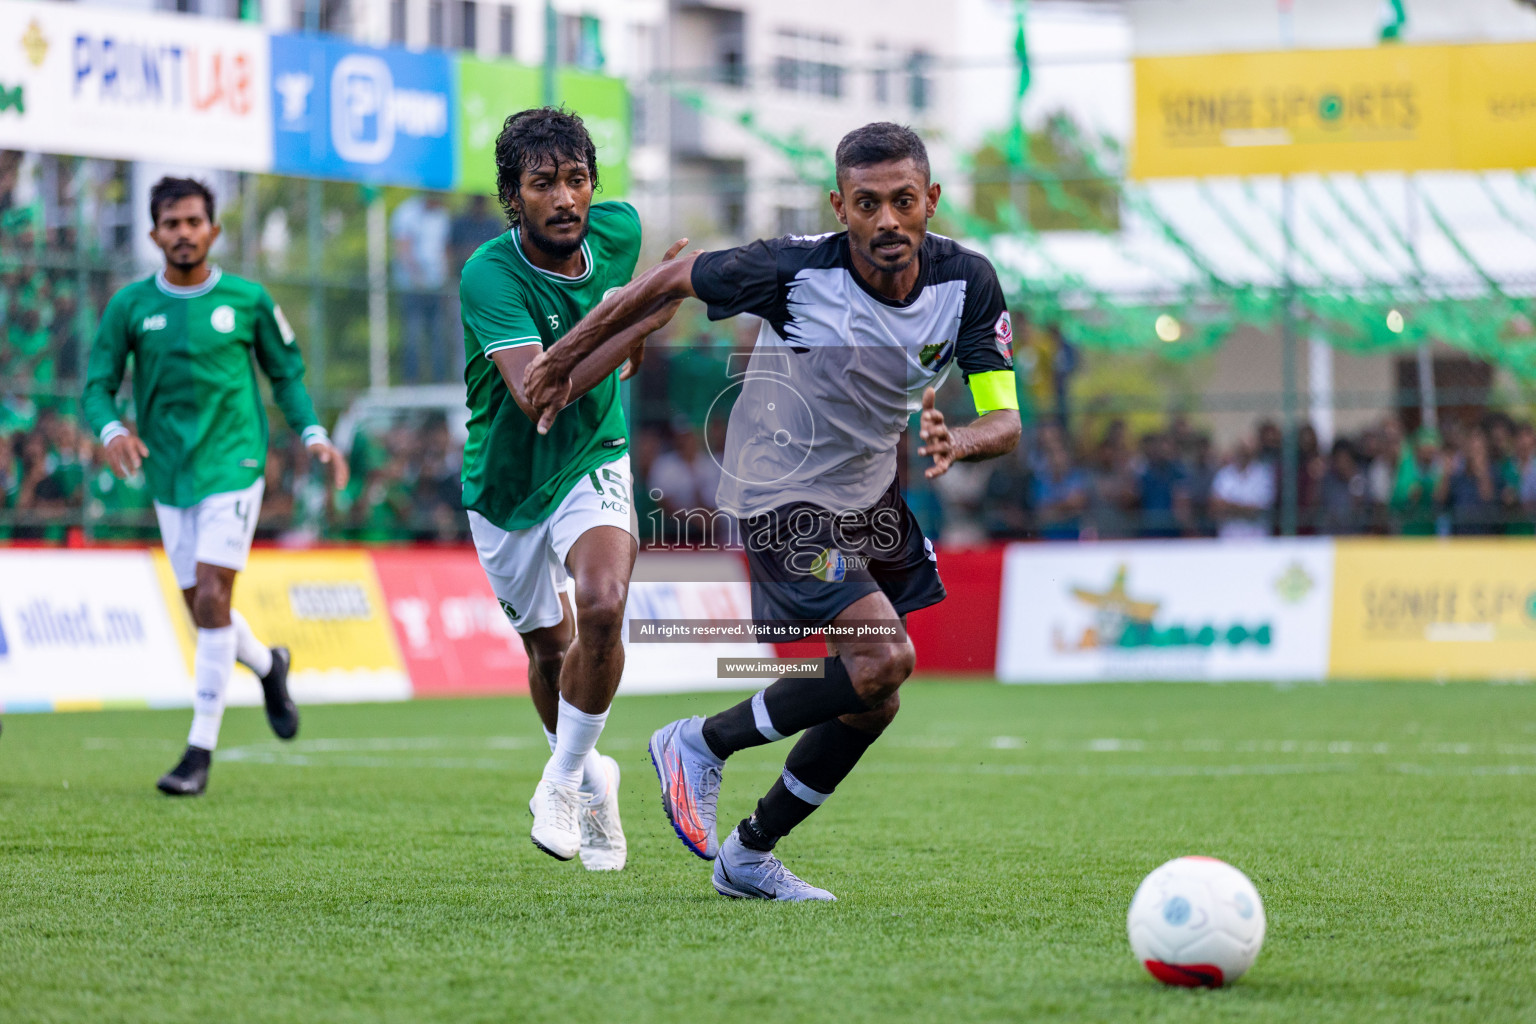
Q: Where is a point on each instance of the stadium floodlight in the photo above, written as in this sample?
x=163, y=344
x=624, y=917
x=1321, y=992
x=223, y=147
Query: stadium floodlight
x=1168, y=328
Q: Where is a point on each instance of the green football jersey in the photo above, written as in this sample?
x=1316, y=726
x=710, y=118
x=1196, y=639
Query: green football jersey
x=513, y=476
x=199, y=410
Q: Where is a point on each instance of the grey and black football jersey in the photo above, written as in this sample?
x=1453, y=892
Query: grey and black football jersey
x=837, y=369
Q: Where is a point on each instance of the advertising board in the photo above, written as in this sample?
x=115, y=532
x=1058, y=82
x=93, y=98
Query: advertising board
x=1167, y=610
x=1398, y=108
x=1434, y=609
x=327, y=607
x=93, y=81
x=355, y=113
x=82, y=630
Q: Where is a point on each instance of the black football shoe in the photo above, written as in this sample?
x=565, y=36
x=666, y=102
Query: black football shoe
x=190, y=776
x=282, y=713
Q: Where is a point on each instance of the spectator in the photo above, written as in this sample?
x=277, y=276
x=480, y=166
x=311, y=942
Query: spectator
x=1113, y=488
x=1419, y=475
x=1525, y=465
x=1344, y=496
x=1384, y=450
x=1061, y=495
x=277, y=500
x=419, y=227
x=439, y=511
x=1200, y=467
x=472, y=228
x=1243, y=495
x=1006, y=503
x=117, y=509
x=1471, y=490
x=1271, y=448
x=1311, y=467
x=1162, y=490
x=687, y=478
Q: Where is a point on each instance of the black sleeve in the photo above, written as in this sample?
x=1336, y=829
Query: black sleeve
x=986, y=332
x=742, y=280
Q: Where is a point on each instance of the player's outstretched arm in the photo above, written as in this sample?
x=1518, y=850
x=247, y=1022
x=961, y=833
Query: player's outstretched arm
x=988, y=436
x=645, y=303
x=513, y=363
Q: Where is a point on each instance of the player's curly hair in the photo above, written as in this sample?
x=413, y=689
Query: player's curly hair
x=168, y=190
x=878, y=143
x=532, y=136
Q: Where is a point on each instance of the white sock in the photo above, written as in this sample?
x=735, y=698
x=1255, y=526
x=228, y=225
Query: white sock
x=594, y=778
x=211, y=669
x=249, y=651
x=575, y=737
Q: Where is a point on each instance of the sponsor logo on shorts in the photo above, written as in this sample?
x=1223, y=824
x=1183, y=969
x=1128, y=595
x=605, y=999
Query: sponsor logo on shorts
x=511, y=612
x=223, y=319
x=615, y=506
x=831, y=566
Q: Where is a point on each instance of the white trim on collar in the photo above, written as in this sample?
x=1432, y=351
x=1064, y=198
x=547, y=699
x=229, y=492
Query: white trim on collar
x=586, y=252
x=188, y=291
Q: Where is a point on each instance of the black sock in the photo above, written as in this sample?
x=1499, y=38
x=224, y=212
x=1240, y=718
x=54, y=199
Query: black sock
x=819, y=761
x=785, y=707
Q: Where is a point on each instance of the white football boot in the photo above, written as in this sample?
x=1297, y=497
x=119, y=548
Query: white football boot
x=602, y=834
x=556, y=811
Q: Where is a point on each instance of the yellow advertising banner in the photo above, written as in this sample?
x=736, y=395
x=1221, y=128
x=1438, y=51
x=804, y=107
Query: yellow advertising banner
x=327, y=607
x=1434, y=609
x=1389, y=108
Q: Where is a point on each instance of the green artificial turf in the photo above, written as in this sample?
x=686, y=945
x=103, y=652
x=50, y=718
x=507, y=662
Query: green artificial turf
x=984, y=854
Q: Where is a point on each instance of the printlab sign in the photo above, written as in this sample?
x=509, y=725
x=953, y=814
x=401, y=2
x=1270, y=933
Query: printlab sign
x=360, y=114
x=134, y=86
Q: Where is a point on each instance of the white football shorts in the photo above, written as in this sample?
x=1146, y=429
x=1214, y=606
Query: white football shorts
x=526, y=567
x=215, y=531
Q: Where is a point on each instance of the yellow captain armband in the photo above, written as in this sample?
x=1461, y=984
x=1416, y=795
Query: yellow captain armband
x=994, y=390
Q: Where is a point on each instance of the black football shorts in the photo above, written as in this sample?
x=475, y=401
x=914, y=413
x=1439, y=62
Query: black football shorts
x=808, y=564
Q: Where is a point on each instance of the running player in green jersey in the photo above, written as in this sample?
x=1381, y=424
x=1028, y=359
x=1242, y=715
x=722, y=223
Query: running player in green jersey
x=202, y=442
x=548, y=509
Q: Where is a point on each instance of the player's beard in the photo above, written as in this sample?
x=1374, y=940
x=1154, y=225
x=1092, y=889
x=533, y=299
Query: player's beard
x=553, y=247
x=186, y=258
x=888, y=268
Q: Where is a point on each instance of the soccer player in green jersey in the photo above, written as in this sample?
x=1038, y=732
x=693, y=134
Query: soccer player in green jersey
x=549, y=509
x=201, y=441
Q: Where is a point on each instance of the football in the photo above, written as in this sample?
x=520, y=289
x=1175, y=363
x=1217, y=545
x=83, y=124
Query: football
x=1196, y=921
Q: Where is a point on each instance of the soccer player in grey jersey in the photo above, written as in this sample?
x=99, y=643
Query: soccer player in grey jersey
x=859, y=329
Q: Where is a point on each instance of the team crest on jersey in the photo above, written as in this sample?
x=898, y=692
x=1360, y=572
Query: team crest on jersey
x=223, y=319
x=154, y=323
x=282, y=325
x=936, y=355
x=611, y=292
x=1003, y=332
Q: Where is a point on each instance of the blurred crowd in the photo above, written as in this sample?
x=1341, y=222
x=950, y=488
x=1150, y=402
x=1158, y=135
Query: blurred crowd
x=1474, y=478
x=1471, y=479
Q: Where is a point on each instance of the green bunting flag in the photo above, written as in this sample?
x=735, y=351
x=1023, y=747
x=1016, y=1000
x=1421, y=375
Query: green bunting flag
x=1018, y=142
x=1394, y=18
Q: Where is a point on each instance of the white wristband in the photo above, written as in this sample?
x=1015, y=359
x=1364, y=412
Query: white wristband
x=315, y=435
x=112, y=431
